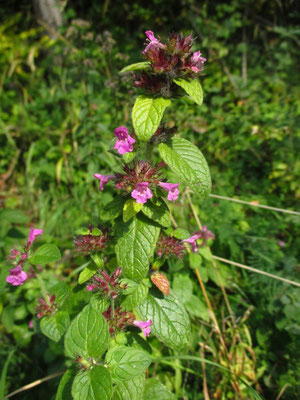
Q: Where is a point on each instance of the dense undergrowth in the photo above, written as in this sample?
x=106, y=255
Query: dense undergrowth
x=62, y=98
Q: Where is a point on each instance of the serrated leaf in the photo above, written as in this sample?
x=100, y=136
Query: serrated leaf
x=130, y=209
x=144, y=65
x=135, y=246
x=192, y=88
x=130, y=390
x=99, y=304
x=54, y=326
x=45, y=254
x=188, y=163
x=113, y=209
x=65, y=384
x=205, y=253
x=125, y=363
x=136, y=295
x=197, y=308
x=181, y=234
x=61, y=292
x=155, y=390
x=87, y=335
x=157, y=211
x=94, y=384
x=170, y=321
x=87, y=273
x=147, y=113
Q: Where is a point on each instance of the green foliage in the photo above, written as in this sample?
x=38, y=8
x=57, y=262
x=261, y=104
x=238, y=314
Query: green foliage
x=94, y=384
x=192, y=88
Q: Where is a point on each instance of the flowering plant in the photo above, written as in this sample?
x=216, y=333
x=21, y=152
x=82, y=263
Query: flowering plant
x=122, y=297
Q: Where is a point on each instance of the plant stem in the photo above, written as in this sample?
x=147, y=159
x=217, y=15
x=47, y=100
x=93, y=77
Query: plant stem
x=42, y=286
x=149, y=151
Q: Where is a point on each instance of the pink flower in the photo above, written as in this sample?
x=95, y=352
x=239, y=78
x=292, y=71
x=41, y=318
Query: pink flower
x=192, y=241
x=145, y=326
x=30, y=324
x=153, y=42
x=16, y=276
x=195, y=63
x=172, y=189
x=103, y=179
x=142, y=193
x=281, y=243
x=124, y=144
x=204, y=234
x=33, y=234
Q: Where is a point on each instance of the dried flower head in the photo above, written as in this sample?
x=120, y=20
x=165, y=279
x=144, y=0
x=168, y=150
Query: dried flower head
x=119, y=320
x=94, y=240
x=43, y=308
x=168, y=246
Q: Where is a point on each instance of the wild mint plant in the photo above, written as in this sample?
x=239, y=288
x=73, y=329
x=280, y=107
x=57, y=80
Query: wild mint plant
x=122, y=298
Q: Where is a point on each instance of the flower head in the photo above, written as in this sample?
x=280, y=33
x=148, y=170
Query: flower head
x=204, y=234
x=142, y=193
x=16, y=276
x=124, y=143
x=46, y=307
x=168, y=246
x=33, y=235
x=195, y=63
x=153, y=43
x=145, y=326
x=192, y=241
x=172, y=189
x=104, y=179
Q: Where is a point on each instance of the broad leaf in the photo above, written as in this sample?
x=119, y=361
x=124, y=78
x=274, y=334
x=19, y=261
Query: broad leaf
x=94, y=384
x=147, y=113
x=170, y=321
x=87, y=335
x=54, y=326
x=158, y=212
x=181, y=234
x=188, y=163
x=192, y=88
x=87, y=273
x=135, y=246
x=113, y=209
x=130, y=390
x=99, y=304
x=155, y=390
x=136, y=294
x=130, y=209
x=45, y=254
x=65, y=385
x=125, y=363
x=144, y=65
x=61, y=292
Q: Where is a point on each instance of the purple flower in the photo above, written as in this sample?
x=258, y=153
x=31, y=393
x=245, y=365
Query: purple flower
x=204, y=234
x=142, y=193
x=16, y=276
x=30, y=324
x=145, y=326
x=124, y=144
x=192, y=241
x=281, y=243
x=195, y=63
x=103, y=179
x=153, y=42
x=172, y=189
x=33, y=235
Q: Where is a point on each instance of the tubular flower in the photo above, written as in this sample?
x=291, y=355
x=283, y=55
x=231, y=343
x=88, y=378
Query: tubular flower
x=192, y=241
x=33, y=235
x=16, y=276
x=204, y=234
x=145, y=326
x=153, y=43
x=195, y=63
x=142, y=193
x=172, y=189
x=104, y=179
x=124, y=143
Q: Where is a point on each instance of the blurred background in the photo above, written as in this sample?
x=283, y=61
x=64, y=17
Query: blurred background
x=61, y=97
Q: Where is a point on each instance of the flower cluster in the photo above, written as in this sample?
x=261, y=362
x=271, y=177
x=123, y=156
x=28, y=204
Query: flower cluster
x=108, y=284
x=16, y=275
x=168, y=246
x=93, y=240
x=118, y=320
x=46, y=308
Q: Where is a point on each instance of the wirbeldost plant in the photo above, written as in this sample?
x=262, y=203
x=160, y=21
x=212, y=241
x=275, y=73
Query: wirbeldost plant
x=122, y=297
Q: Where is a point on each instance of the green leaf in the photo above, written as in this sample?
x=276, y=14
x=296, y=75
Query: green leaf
x=87, y=273
x=126, y=363
x=45, y=254
x=188, y=163
x=170, y=322
x=192, y=88
x=155, y=390
x=130, y=390
x=197, y=308
x=96, y=232
x=99, y=304
x=94, y=384
x=136, y=67
x=82, y=231
x=61, y=292
x=97, y=258
x=54, y=326
x=65, y=384
x=127, y=157
x=181, y=234
x=113, y=209
x=157, y=211
x=87, y=335
x=135, y=246
x=130, y=209
x=137, y=293
x=147, y=113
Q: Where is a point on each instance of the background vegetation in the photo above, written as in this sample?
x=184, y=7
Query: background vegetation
x=61, y=97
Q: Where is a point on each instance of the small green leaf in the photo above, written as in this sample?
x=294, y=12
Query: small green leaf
x=61, y=292
x=170, y=322
x=96, y=232
x=155, y=390
x=113, y=209
x=157, y=211
x=97, y=258
x=45, y=254
x=136, y=242
x=192, y=88
x=127, y=157
x=125, y=363
x=99, y=304
x=181, y=234
x=87, y=273
x=82, y=231
x=87, y=335
x=54, y=326
x=144, y=65
x=137, y=293
x=130, y=390
x=130, y=209
x=94, y=384
x=65, y=384
x=147, y=113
